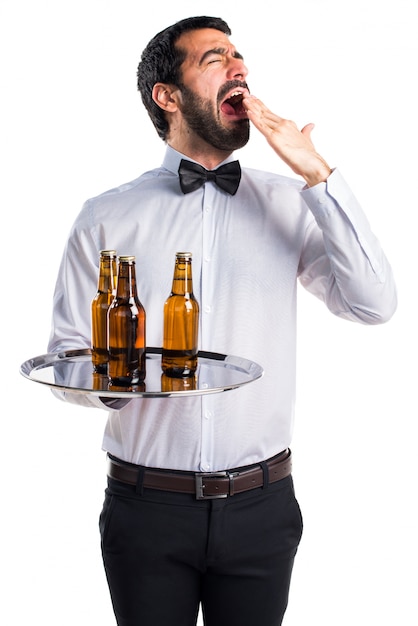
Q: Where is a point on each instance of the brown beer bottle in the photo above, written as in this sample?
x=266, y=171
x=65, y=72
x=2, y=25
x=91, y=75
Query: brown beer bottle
x=126, y=324
x=181, y=322
x=106, y=289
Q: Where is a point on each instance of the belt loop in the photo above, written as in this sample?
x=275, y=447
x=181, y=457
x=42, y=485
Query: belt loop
x=265, y=469
x=140, y=481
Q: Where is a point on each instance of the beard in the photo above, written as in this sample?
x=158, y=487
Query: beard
x=201, y=119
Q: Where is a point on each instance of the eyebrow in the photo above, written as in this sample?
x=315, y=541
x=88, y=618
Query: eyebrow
x=208, y=53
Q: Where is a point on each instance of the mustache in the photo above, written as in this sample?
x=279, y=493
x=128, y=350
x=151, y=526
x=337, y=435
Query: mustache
x=231, y=84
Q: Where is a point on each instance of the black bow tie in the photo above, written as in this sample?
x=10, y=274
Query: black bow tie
x=192, y=176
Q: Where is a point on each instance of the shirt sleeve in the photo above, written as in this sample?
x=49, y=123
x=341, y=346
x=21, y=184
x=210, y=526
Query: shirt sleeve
x=342, y=262
x=73, y=294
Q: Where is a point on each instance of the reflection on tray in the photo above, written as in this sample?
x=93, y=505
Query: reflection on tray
x=188, y=383
x=100, y=382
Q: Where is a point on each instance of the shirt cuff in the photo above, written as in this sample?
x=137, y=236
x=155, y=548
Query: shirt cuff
x=323, y=198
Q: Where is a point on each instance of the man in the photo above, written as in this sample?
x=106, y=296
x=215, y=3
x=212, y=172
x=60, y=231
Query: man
x=200, y=507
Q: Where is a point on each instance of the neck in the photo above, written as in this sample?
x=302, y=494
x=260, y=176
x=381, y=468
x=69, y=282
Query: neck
x=200, y=151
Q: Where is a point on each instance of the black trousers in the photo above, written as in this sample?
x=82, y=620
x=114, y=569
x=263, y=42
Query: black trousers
x=166, y=553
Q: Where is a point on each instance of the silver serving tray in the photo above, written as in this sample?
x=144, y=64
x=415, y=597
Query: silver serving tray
x=72, y=370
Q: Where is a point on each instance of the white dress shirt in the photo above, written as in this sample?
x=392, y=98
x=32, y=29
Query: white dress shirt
x=249, y=251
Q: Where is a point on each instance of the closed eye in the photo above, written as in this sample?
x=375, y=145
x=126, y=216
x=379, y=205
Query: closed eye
x=212, y=56
x=216, y=54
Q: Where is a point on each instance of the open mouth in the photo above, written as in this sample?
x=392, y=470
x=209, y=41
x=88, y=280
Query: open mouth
x=233, y=105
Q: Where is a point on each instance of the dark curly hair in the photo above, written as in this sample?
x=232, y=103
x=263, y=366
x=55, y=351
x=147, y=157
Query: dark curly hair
x=161, y=61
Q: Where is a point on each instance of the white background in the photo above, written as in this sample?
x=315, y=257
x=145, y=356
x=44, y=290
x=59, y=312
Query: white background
x=72, y=126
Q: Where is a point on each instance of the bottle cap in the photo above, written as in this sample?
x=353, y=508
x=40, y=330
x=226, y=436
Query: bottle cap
x=184, y=255
x=127, y=258
x=107, y=252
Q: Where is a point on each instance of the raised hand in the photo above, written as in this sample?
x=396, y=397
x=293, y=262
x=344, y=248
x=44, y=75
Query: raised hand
x=293, y=146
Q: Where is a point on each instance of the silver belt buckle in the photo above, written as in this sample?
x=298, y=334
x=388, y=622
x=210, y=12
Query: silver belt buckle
x=200, y=487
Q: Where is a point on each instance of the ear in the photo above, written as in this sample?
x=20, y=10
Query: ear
x=163, y=96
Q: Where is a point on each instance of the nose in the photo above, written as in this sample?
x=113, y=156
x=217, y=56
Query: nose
x=237, y=68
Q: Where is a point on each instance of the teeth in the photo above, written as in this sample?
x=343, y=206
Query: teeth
x=235, y=95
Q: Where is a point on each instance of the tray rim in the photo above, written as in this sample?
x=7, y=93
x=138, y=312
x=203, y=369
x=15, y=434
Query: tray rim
x=214, y=359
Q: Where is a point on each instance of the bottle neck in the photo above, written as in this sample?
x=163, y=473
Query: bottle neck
x=126, y=287
x=182, y=278
x=107, y=275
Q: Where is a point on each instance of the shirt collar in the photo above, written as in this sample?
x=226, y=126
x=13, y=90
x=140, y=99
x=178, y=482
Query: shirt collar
x=172, y=160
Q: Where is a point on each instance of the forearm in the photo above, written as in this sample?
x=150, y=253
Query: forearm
x=351, y=274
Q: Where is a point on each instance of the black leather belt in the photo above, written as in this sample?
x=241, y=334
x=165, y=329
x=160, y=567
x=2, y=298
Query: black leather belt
x=203, y=485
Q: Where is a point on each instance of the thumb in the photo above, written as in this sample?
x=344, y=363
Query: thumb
x=306, y=130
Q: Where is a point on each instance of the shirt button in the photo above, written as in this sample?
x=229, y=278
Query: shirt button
x=207, y=259
x=208, y=415
x=208, y=308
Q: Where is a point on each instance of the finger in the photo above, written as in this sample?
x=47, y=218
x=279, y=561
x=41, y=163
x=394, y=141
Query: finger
x=255, y=105
x=306, y=130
